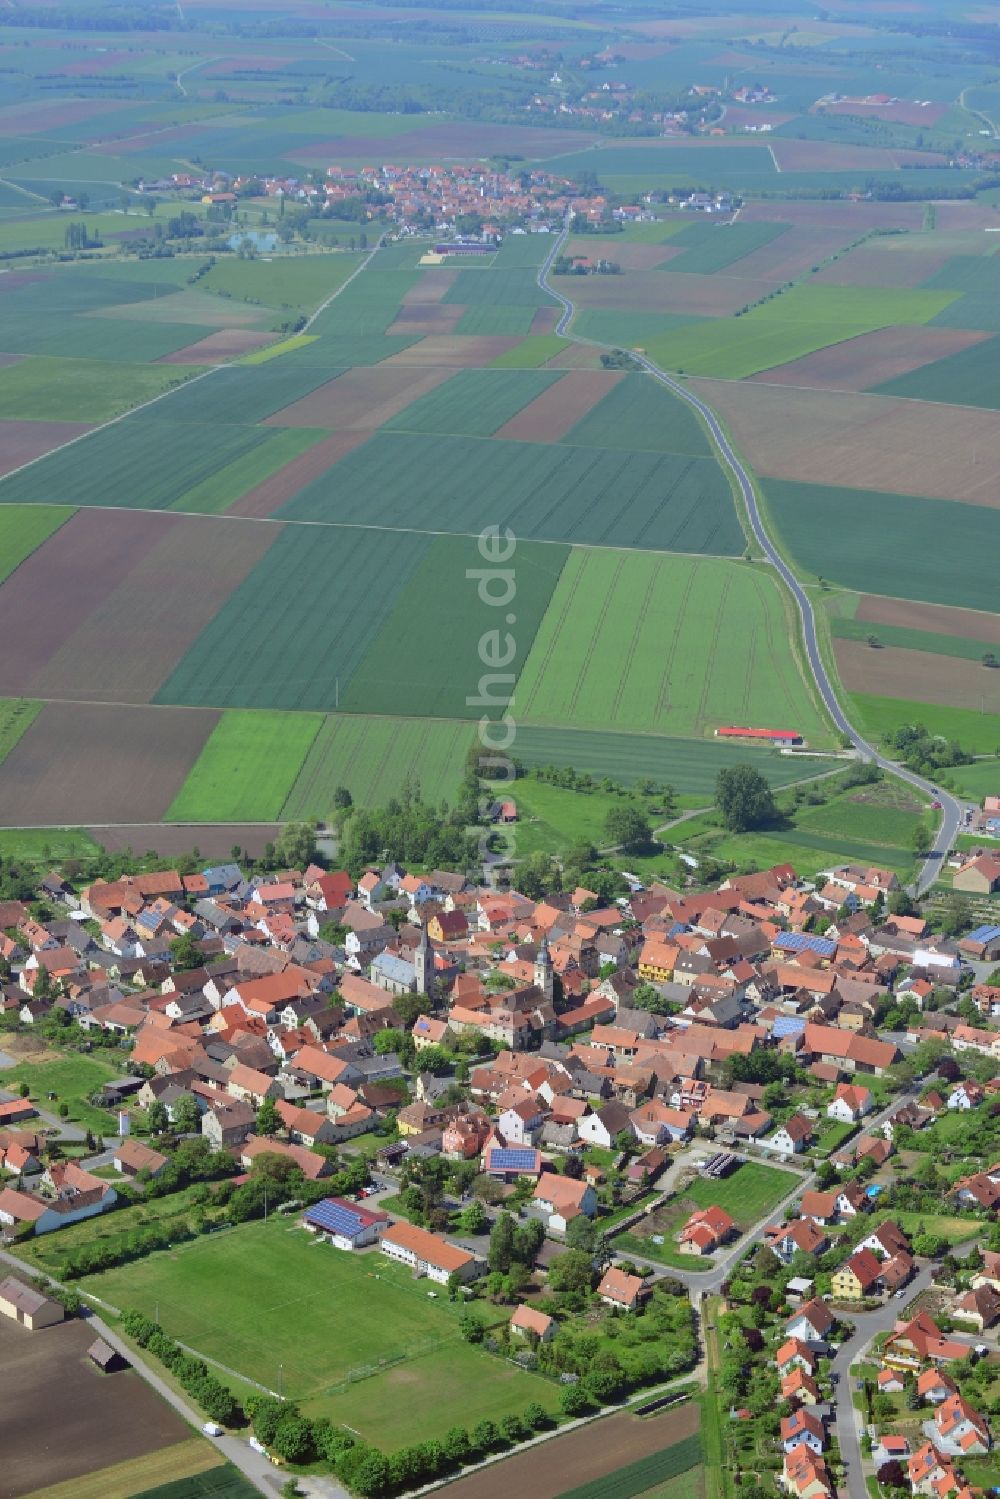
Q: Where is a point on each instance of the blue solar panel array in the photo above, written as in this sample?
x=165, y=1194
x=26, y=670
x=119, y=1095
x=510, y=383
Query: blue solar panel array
x=984, y=934
x=512, y=1158
x=788, y=1025
x=799, y=941
x=334, y=1219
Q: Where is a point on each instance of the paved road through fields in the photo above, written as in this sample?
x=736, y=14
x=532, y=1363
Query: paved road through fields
x=951, y=809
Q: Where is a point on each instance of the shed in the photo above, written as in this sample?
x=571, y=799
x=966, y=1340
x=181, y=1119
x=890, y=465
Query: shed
x=107, y=1359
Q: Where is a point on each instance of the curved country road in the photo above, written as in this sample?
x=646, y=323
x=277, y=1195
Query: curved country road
x=951, y=810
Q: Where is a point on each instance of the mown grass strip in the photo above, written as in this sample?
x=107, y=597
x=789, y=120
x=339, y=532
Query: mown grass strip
x=275, y=351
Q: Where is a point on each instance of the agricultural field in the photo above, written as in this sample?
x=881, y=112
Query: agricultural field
x=80, y=390
x=474, y=403
x=710, y=247
x=388, y=1326
x=966, y=378
x=675, y=646
x=23, y=529
x=16, y=717
x=246, y=769
x=374, y=757
x=824, y=530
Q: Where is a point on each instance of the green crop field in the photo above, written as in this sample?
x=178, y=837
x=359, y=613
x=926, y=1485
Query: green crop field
x=374, y=757
x=17, y=714
x=689, y=765
x=912, y=640
x=473, y=403
x=292, y=634
x=977, y=732
x=520, y=252
x=544, y=491
x=858, y=306
x=298, y=281
x=80, y=390
x=667, y=644
x=530, y=352
x=426, y=657
x=975, y=310
x=630, y=330
x=977, y=274
x=225, y=1482
x=964, y=379
x=137, y=464
x=246, y=769
x=23, y=528
x=387, y=1328
x=860, y=821
x=496, y=320
x=640, y=413
x=245, y=394
x=712, y=247
x=838, y=533
x=233, y=480
x=497, y=288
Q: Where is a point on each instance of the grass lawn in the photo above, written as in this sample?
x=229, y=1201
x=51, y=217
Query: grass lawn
x=347, y=1332
x=72, y=1078
x=831, y=1138
x=979, y=733
x=977, y=781
x=749, y=1194
x=43, y=845
x=80, y=390
x=247, y=768
x=52, y=1251
x=553, y=817
x=955, y=1230
x=23, y=528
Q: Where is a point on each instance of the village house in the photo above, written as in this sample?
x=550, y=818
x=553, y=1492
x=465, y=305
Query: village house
x=427, y=1254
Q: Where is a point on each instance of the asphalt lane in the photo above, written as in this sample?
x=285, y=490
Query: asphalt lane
x=951, y=813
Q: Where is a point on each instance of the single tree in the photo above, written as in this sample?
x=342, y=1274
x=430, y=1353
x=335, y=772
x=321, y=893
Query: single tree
x=628, y=828
x=744, y=798
x=268, y=1121
x=187, y=1119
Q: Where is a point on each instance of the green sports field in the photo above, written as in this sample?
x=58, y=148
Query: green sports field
x=23, y=528
x=665, y=644
x=374, y=757
x=246, y=769
x=319, y=1320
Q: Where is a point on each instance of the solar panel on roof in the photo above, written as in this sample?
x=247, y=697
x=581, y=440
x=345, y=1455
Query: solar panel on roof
x=512, y=1158
x=799, y=941
x=335, y=1219
x=984, y=934
x=788, y=1025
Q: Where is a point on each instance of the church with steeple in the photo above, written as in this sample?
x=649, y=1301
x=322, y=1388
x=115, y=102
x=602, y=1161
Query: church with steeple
x=543, y=975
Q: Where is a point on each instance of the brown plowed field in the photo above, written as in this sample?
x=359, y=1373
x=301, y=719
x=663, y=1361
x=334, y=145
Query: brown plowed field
x=6, y=359
x=579, y=1456
x=85, y=763
x=970, y=624
x=171, y=840
x=418, y=319
x=140, y=626
x=792, y=253
x=828, y=156
x=871, y=358
x=457, y=351
x=102, y=1418
x=218, y=348
x=39, y=117
x=272, y=493
x=574, y=357
x=549, y=416
x=868, y=266
x=678, y=291
x=858, y=217
x=21, y=442
x=863, y=441
x=458, y=142
x=918, y=676
x=738, y=114
x=430, y=288
x=364, y=398
x=630, y=257
x=48, y=598
x=900, y=112
x=545, y=319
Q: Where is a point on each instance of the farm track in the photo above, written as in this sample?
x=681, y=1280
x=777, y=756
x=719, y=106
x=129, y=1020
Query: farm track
x=727, y=456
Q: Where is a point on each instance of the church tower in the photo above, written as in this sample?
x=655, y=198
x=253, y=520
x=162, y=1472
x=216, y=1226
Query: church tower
x=423, y=964
x=543, y=968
